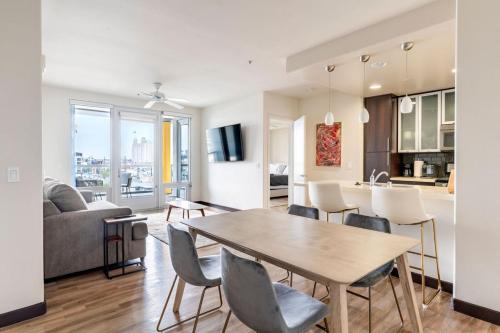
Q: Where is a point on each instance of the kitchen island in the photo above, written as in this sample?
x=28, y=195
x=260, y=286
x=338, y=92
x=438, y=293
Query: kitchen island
x=438, y=202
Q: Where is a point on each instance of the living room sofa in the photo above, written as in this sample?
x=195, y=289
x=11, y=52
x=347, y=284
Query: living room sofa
x=73, y=230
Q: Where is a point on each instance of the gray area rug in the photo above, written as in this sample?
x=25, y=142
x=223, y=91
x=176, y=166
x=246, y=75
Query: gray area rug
x=157, y=225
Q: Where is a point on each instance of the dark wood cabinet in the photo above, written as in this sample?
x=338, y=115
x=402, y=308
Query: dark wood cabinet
x=380, y=137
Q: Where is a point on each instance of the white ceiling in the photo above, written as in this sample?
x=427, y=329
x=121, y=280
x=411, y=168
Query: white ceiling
x=198, y=49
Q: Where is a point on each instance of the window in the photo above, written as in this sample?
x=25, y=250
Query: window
x=91, y=146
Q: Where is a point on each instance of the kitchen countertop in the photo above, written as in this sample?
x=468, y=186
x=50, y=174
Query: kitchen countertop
x=414, y=179
x=428, y=192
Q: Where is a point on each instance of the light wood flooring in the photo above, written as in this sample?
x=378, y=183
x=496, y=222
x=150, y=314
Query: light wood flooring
x=91, y=303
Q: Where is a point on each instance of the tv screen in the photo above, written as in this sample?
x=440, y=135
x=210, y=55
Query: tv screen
x=224, y=144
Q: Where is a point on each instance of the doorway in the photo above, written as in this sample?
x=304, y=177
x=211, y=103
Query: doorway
x=279, y=161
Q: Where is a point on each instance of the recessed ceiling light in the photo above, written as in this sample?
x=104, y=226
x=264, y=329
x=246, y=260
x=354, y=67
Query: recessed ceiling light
x=378, y=64
x=454, y=70
x=375, y=86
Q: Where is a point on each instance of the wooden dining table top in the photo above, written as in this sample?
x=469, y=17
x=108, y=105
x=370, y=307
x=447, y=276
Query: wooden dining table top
x=316, y=249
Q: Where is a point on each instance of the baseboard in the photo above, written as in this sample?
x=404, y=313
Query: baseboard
x=229, y=209
x=22, y=314
x=429, y=281
x=476, y=311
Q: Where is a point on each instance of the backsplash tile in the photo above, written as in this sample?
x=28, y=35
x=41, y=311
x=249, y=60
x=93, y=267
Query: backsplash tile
x=439, y=159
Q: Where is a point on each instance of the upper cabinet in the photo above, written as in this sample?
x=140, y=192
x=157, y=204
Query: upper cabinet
x=448, y=107
x=419, y=131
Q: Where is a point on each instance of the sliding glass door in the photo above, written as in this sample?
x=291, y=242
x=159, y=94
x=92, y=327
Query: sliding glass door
x=176, y=168
x=132, y=157
x=135, y=142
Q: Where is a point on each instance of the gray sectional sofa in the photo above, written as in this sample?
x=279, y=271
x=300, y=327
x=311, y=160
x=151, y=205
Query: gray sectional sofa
x=73, y=230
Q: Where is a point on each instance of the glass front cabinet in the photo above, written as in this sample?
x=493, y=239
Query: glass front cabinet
x=419, y=131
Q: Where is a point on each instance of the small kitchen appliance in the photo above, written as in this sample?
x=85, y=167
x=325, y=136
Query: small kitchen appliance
x=417, y=168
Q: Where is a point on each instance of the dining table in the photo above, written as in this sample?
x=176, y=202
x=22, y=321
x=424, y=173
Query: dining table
x=332, y=254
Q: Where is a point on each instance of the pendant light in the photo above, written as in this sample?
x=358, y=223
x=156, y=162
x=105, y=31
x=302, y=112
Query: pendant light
x=364, y=116
x=329, y=119
x=406, y=105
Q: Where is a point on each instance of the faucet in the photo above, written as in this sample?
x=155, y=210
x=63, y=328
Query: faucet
x=373, y=178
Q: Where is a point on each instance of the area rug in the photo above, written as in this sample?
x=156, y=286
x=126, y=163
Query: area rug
x=157, y=225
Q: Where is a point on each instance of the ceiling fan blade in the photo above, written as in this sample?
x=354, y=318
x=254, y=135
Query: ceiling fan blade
x=149, y=104
x=145, y=94
x=180, y=100
x=175, y=105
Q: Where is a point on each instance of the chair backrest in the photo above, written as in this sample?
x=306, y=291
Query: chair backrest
x=400, y=205
x=377, y=224
x=184, y=256
x=310, y=212
x=327, y=196
x=250, y=294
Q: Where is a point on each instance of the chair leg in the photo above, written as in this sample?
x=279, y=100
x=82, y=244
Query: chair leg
x=327, y=329
x=314, y=289
x=396, y=299
x=343, y=214
x=198, y=314
x=369, y=309
x=327, y=216
x=226, y=322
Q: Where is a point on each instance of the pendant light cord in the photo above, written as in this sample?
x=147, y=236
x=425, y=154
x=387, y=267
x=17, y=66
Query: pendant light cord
x=406, y=72
x=330, y=92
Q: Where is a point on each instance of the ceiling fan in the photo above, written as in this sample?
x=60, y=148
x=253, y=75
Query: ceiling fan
x=158, y=97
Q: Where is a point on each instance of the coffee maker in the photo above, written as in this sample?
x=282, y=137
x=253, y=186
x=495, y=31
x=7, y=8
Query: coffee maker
x=407, y=170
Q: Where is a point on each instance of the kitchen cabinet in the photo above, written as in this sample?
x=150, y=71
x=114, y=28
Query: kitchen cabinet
x=380, y=136
x=448, y=107
x=419, y=131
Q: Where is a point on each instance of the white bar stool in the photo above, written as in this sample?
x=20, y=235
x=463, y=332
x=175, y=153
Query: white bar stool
x=327, y=196
x=403, y=206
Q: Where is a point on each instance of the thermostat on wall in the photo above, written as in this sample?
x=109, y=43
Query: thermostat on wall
x=12, y=174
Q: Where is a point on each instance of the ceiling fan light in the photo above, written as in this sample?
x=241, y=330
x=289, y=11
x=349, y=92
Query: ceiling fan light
x=364, y=116
x=329, y=119
x=406, y=105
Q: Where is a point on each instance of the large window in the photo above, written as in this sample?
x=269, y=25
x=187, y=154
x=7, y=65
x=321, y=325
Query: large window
x=92, y=147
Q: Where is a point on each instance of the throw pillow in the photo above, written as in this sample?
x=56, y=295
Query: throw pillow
x=65, y=197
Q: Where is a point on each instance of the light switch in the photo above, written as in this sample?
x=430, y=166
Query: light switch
x=12, y=174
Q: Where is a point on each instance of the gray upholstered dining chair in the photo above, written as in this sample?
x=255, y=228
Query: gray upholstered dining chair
x=309, y=212
x=265, y=306
x=384, y=271
x=197, y=271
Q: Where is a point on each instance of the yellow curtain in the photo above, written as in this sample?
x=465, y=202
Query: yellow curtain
x=167, y=167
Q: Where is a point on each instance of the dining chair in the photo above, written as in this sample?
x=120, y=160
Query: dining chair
x=309, y=212
x=197, y=271
x=403, y=206
x=383, y=272
x=327, y=196
x=265, y=306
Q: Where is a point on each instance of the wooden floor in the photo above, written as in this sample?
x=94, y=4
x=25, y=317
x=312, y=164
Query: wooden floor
x=91, y=303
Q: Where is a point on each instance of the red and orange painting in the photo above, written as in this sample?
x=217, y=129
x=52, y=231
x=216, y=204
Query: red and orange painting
x=328, y=144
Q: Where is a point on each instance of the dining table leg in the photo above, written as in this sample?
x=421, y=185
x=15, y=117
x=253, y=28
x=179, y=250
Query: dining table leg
x=182, y=284
x=409, y=293
x=338, y=321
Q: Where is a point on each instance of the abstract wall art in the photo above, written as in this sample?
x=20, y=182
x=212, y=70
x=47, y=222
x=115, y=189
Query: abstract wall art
x=329, y=145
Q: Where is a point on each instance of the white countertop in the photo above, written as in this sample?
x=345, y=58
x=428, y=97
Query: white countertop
x=428, y=192
x=414, y=179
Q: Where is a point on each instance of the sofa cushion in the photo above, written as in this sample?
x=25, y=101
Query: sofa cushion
x=50, y=209
x=65, y=197
x=139, y=230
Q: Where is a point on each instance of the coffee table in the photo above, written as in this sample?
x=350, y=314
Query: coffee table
x=186, y=206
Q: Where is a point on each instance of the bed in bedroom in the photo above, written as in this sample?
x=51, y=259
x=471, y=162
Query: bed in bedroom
x=278, y=180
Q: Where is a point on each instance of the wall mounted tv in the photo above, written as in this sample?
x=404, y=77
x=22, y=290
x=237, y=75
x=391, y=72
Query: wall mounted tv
x=224, y=144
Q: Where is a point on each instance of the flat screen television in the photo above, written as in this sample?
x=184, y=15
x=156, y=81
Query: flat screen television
x=224, y=144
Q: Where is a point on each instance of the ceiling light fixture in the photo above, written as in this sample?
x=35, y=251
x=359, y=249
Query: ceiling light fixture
x=364, y=116
x=329, y=119
x=406, y=105
x=375, y=86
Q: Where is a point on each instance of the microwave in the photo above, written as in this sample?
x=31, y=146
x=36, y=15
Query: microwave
x=447, y=137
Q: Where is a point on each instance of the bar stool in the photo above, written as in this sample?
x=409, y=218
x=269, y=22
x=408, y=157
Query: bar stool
x=327, y=196
x=403, y=206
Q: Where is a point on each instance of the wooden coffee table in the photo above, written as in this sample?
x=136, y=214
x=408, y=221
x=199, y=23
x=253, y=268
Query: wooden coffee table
x=186, y=206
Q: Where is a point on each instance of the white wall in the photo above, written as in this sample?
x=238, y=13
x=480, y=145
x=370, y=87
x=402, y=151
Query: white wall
x=56, y=120
x=278, y=145
x=477, y=269
x=235, y=184
x=346, y=110
x=21, y=271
